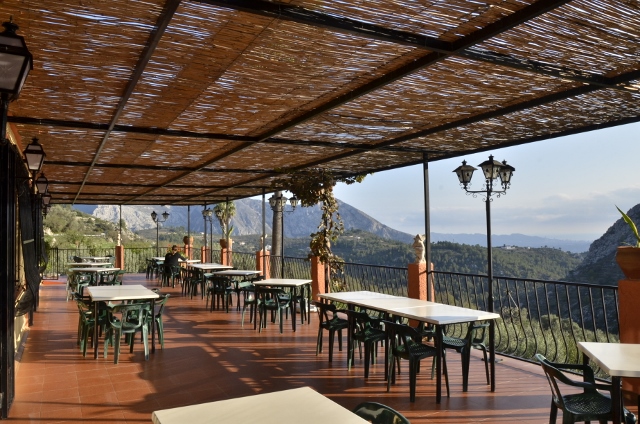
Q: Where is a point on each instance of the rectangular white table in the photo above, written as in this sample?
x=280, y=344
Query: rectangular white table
x=303, y=405
x=208, y=266
x=95, y=258
x=116, y=294
x=294, y=284
x=434, y=313
x=616, y=359
x=87, y=264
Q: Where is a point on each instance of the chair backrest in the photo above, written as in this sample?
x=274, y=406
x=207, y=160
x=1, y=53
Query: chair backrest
x=378, y=413
x=324, y=309
x=131, y=315
x=77, y=259
x=555, y=375
x=397, y=332
x=267, y=294
x=160, y=303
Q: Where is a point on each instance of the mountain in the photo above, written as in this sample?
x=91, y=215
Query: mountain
x=248, y=219
x=303, y=221
x=599, y=265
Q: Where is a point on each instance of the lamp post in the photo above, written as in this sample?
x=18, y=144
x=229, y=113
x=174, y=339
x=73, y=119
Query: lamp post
x=207, y=214
x=492, y=169
x=157, y=220
x=278, y=203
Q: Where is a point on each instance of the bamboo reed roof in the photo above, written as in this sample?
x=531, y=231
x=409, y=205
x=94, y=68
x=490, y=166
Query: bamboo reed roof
x=190, y=102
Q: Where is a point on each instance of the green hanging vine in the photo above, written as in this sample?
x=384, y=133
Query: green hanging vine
x=313, y=186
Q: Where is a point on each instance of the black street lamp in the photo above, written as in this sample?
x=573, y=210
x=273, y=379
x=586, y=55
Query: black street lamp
x=207, y=214
x=157, y=220
x=492, y=169
x=278, y=204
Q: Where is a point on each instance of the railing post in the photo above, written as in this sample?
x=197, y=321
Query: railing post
x=204, y=254
x=629, y=322
x=263, y=259
x=417, y=284
x=317, y=277
x=119, y=250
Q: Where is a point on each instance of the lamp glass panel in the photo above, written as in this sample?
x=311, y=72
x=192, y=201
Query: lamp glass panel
x=10, y=68
x=42, y=183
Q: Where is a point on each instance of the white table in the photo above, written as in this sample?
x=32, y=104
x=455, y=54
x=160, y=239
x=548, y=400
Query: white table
x=209, y=266
x=434, y=313
x=97, y=270
x=95, y=258
x=87, y=264
x=294, y=284
x=303, y=405
x=616, y=359
x=120, y=293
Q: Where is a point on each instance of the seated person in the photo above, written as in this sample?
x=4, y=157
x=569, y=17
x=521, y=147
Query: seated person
x=172, y=258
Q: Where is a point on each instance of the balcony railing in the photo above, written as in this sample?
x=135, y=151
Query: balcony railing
x=537, y=316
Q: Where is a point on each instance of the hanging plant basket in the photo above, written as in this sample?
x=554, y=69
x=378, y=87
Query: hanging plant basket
x=628, y=259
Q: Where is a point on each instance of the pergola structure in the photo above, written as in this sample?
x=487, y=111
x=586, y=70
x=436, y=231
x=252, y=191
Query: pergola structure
x=185, y=102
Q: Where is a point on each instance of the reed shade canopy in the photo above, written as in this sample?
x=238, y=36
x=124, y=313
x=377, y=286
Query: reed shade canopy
x=169, y=102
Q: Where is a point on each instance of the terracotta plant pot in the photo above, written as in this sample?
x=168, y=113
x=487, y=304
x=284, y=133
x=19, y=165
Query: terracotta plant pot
x=628, y=259
x=188, y=240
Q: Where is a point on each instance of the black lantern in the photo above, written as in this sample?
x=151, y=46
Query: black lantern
x=34, y=155
x=46, y=199
x=42, y=183
x=15, y=62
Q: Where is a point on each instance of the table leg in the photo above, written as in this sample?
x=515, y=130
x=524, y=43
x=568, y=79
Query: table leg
x=616, y=399
x=153, y=326
x=294, y=309
x=95, y=330
x=440, y=349
x=492, y=354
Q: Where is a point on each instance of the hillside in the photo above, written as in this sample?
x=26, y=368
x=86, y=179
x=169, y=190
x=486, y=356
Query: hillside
x=537, y=263
x=599, y=265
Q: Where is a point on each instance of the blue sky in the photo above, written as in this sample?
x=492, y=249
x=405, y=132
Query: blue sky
x=564, y=188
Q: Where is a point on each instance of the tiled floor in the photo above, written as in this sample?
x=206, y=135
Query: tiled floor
x=208, y=356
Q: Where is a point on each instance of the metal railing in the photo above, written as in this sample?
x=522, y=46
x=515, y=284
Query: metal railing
x=537, y=316
x=58, y=259
x=382, y=279
x=243, y=260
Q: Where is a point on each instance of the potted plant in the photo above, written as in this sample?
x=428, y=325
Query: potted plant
x=628, y=257
x=224, y=212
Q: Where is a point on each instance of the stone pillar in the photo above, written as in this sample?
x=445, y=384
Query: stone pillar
x=188, y=251
x=260, y=258
x=417, y=288
x=225, y=256
x=204, y=254
x=629, y=320
x=317, y=278
x=120, y=257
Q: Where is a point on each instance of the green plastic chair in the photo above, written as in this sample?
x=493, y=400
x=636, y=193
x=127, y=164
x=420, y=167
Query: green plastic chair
x=590, y=405
x=377, y=413
x=367, y=333
x=474, y=339
x=333, y=325
x=274, y=300
x=125, y=319
x=405, y=342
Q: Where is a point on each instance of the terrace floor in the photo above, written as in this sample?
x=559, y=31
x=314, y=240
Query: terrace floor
x=208, y=356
